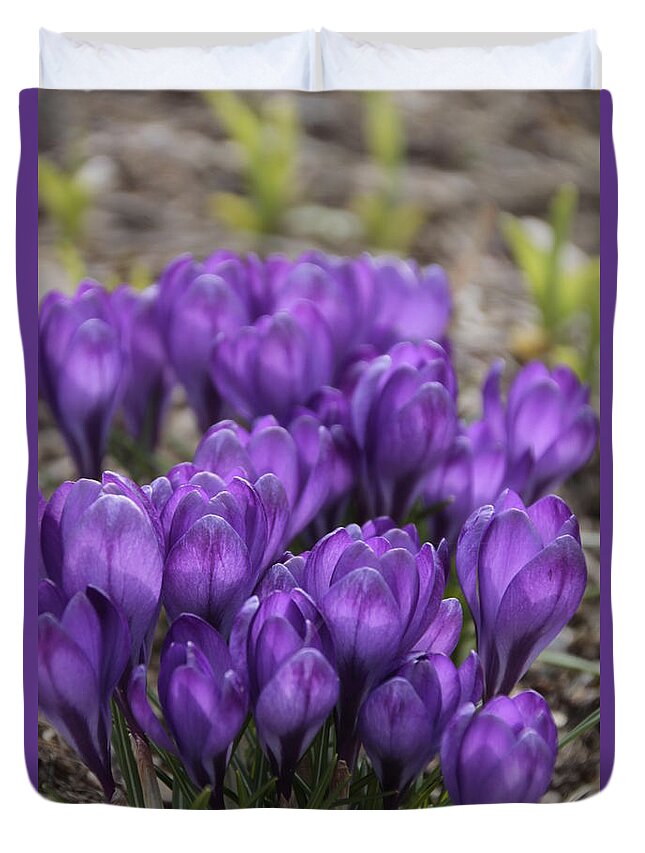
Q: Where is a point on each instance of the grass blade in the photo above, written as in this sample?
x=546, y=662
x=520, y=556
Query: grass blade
x=588, y=723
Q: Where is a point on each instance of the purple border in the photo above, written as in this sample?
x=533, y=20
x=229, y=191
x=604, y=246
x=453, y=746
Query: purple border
x=27, y=282
x=27, y=285
x=608, y=281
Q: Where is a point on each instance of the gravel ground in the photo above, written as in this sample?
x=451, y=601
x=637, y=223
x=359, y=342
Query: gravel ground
x=155, y=159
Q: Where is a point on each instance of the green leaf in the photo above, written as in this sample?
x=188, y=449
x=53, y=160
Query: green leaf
x=125, y=758
x=384, y=130
x=235, y=211
x=568, y=661
x=318, y=794
x=202, y=799
x=64, y=197
x=588, y=723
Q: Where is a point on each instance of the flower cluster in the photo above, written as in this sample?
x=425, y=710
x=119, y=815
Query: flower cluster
x=301, y=623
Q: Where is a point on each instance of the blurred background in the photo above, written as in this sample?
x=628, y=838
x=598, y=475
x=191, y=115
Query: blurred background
x=502, y=189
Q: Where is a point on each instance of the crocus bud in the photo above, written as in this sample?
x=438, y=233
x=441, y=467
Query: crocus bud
x=220, y=545
x=148, y=377
x=83, y=649
x=81, y=369
x=379, y=592
x=276, y=364
x=304, y=456
x=105, y=535
x=504, y=753
x=403, y=419
x=283, y=646
x=403, y=719
x=205, y=307
x=202, y=698
x=406, y=303
x=340, y=289
x=548, y=427
x=523, y=574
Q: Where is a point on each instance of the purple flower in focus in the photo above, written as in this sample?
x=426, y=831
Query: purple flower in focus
x=379, y=592
x=403, y=418
x=83, y=649
x=523, y=573
x=402, y=721
x=148, y=377
x=283, y=646
x=202, y=698
x=503, y=753
x=548, y=428
x=80, y=370
x=106, y=535
x=220, y=543
x=276, y=364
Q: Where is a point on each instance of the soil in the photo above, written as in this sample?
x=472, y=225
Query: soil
x=154, y=161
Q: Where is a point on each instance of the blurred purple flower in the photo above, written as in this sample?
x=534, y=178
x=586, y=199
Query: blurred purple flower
x=81, y=365
x=106, y=535
x=284, y=649
x=406, y=303
x=403, y=418
x=83, y=649
x=276, y=364
x=548, y=428
x=202, y=698
x=148, y=378
x=523, y=574
x=205, y=308
x=402, y=721
x=503, y=753
x=379, y=592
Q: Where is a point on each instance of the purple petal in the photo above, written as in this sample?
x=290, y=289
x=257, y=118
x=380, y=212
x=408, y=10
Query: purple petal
x=397, y=733
x=365, y=624
x=142, y=710
x=451, y=749
x=294, y=704
x=508, y=544
x=115, y=548
x=444, y=631
x=208, y=573
x=538, y=603
x=549, y=515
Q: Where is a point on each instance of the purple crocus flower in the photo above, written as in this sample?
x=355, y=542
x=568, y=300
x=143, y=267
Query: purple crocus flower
x=523, y=573
x=83, y=649
x=548, y=428
x=80, y=370
x=276, y=364
x=106, y=535
x=468, y=475
x=341, y=290
x=208, y=306
x=379, y=592
x=403, y=419
x=407, y=303
x=305, y=457
x=283, y=647
x=403, y=719
x=148, y=378
x=504, y=753
x=202, y=698
x=219, y=545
